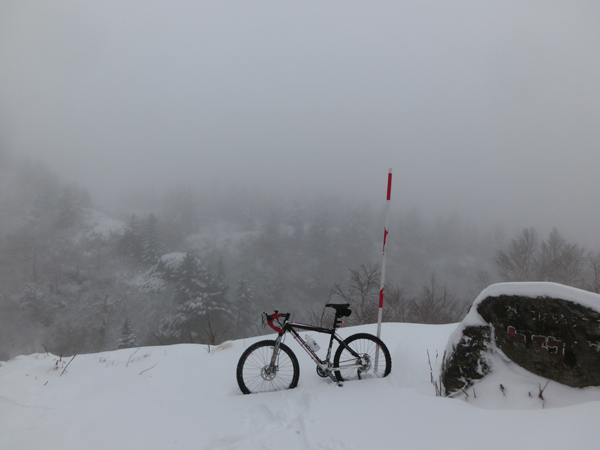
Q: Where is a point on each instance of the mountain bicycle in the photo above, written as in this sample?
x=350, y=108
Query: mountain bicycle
x=270, y=365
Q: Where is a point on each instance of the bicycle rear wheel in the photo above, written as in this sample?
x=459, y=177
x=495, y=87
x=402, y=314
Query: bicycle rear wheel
x=368, y=364
x=254, y=374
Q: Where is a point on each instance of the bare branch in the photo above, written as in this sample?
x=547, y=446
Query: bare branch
x=146, y=370
x=65, y=369
x=129, y=359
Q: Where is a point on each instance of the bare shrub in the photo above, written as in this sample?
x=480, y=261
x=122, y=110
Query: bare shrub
x=435, y=304
x=362, y=293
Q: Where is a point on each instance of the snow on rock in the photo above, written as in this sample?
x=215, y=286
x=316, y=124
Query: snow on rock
x=547, y=328
x=525, y=289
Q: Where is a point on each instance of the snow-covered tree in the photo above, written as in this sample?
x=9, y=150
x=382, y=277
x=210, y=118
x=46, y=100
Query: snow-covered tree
x=200, y=302
x=127, y=339
x=245, y=306
x=130, y=245
x=70, y=204
x=67, y=208
x=191, y=280
x=151, y=248
x=31, y=302
x=215, y=301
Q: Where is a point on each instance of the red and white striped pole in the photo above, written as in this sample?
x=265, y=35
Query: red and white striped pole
x=385, y=234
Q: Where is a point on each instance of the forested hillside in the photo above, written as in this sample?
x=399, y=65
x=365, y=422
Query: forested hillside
x=198, y=267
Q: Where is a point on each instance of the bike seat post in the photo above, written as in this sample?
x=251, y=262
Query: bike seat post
x=337, y=321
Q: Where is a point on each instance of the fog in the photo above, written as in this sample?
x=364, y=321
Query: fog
x=487, y=110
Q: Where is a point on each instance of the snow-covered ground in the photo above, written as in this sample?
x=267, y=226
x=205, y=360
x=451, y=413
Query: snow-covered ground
x=185, y=397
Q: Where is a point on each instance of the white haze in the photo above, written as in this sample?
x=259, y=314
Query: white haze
x=490, y=110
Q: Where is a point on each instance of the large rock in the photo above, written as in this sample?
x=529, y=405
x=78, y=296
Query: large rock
x=549, y=329
x=467, y=362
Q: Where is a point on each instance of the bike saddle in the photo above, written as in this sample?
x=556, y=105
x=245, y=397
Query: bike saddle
x=340, y=309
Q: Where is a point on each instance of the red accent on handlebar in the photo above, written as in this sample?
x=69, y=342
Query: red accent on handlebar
x=270, y=320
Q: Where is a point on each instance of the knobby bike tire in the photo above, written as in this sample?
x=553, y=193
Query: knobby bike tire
x=366, y=346
x=251, y=376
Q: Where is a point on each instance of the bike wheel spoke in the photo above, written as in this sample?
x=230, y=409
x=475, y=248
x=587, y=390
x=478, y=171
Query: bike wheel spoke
x=255, y=373
x=369, y=358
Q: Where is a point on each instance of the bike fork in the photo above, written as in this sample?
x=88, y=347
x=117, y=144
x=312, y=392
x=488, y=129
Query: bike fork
x=273, y=362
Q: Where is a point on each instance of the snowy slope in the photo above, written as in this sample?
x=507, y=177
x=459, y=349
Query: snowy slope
x=183, y=397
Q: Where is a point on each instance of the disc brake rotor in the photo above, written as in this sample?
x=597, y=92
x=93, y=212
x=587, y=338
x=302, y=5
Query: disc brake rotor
x=267, y=374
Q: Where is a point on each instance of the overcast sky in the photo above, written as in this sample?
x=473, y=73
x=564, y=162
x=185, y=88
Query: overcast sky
x=490, y=109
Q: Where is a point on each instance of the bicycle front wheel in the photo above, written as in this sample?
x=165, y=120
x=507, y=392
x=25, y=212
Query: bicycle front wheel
x=369, y=358
x=254, y=372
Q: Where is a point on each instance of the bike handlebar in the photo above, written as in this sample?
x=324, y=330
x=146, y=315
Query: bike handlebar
x=272, y=317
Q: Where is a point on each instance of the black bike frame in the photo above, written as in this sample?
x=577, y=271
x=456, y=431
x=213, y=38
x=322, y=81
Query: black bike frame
x=290, y=327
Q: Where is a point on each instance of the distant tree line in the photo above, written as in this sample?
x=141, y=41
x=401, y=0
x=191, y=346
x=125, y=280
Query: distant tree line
x=200, y=269
x=554, y=259
x=432, y=304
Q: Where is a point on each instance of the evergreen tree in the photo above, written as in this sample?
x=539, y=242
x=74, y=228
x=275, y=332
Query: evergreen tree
x=182, y=210
x=245, y=306
x=215, y=301
x=131, y=242
x=200, y=302
x=32, y=304
x=67, y=208
x=127, y=339
x=70, y=203
x=354, y=234
x=150, y=242
x=221, y=276
x=190, y=284
x=297, y=224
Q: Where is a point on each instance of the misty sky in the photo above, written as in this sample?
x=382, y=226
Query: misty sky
x=490, y=109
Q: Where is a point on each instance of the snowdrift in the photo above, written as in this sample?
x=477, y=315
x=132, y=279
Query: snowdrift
x=186, y=397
